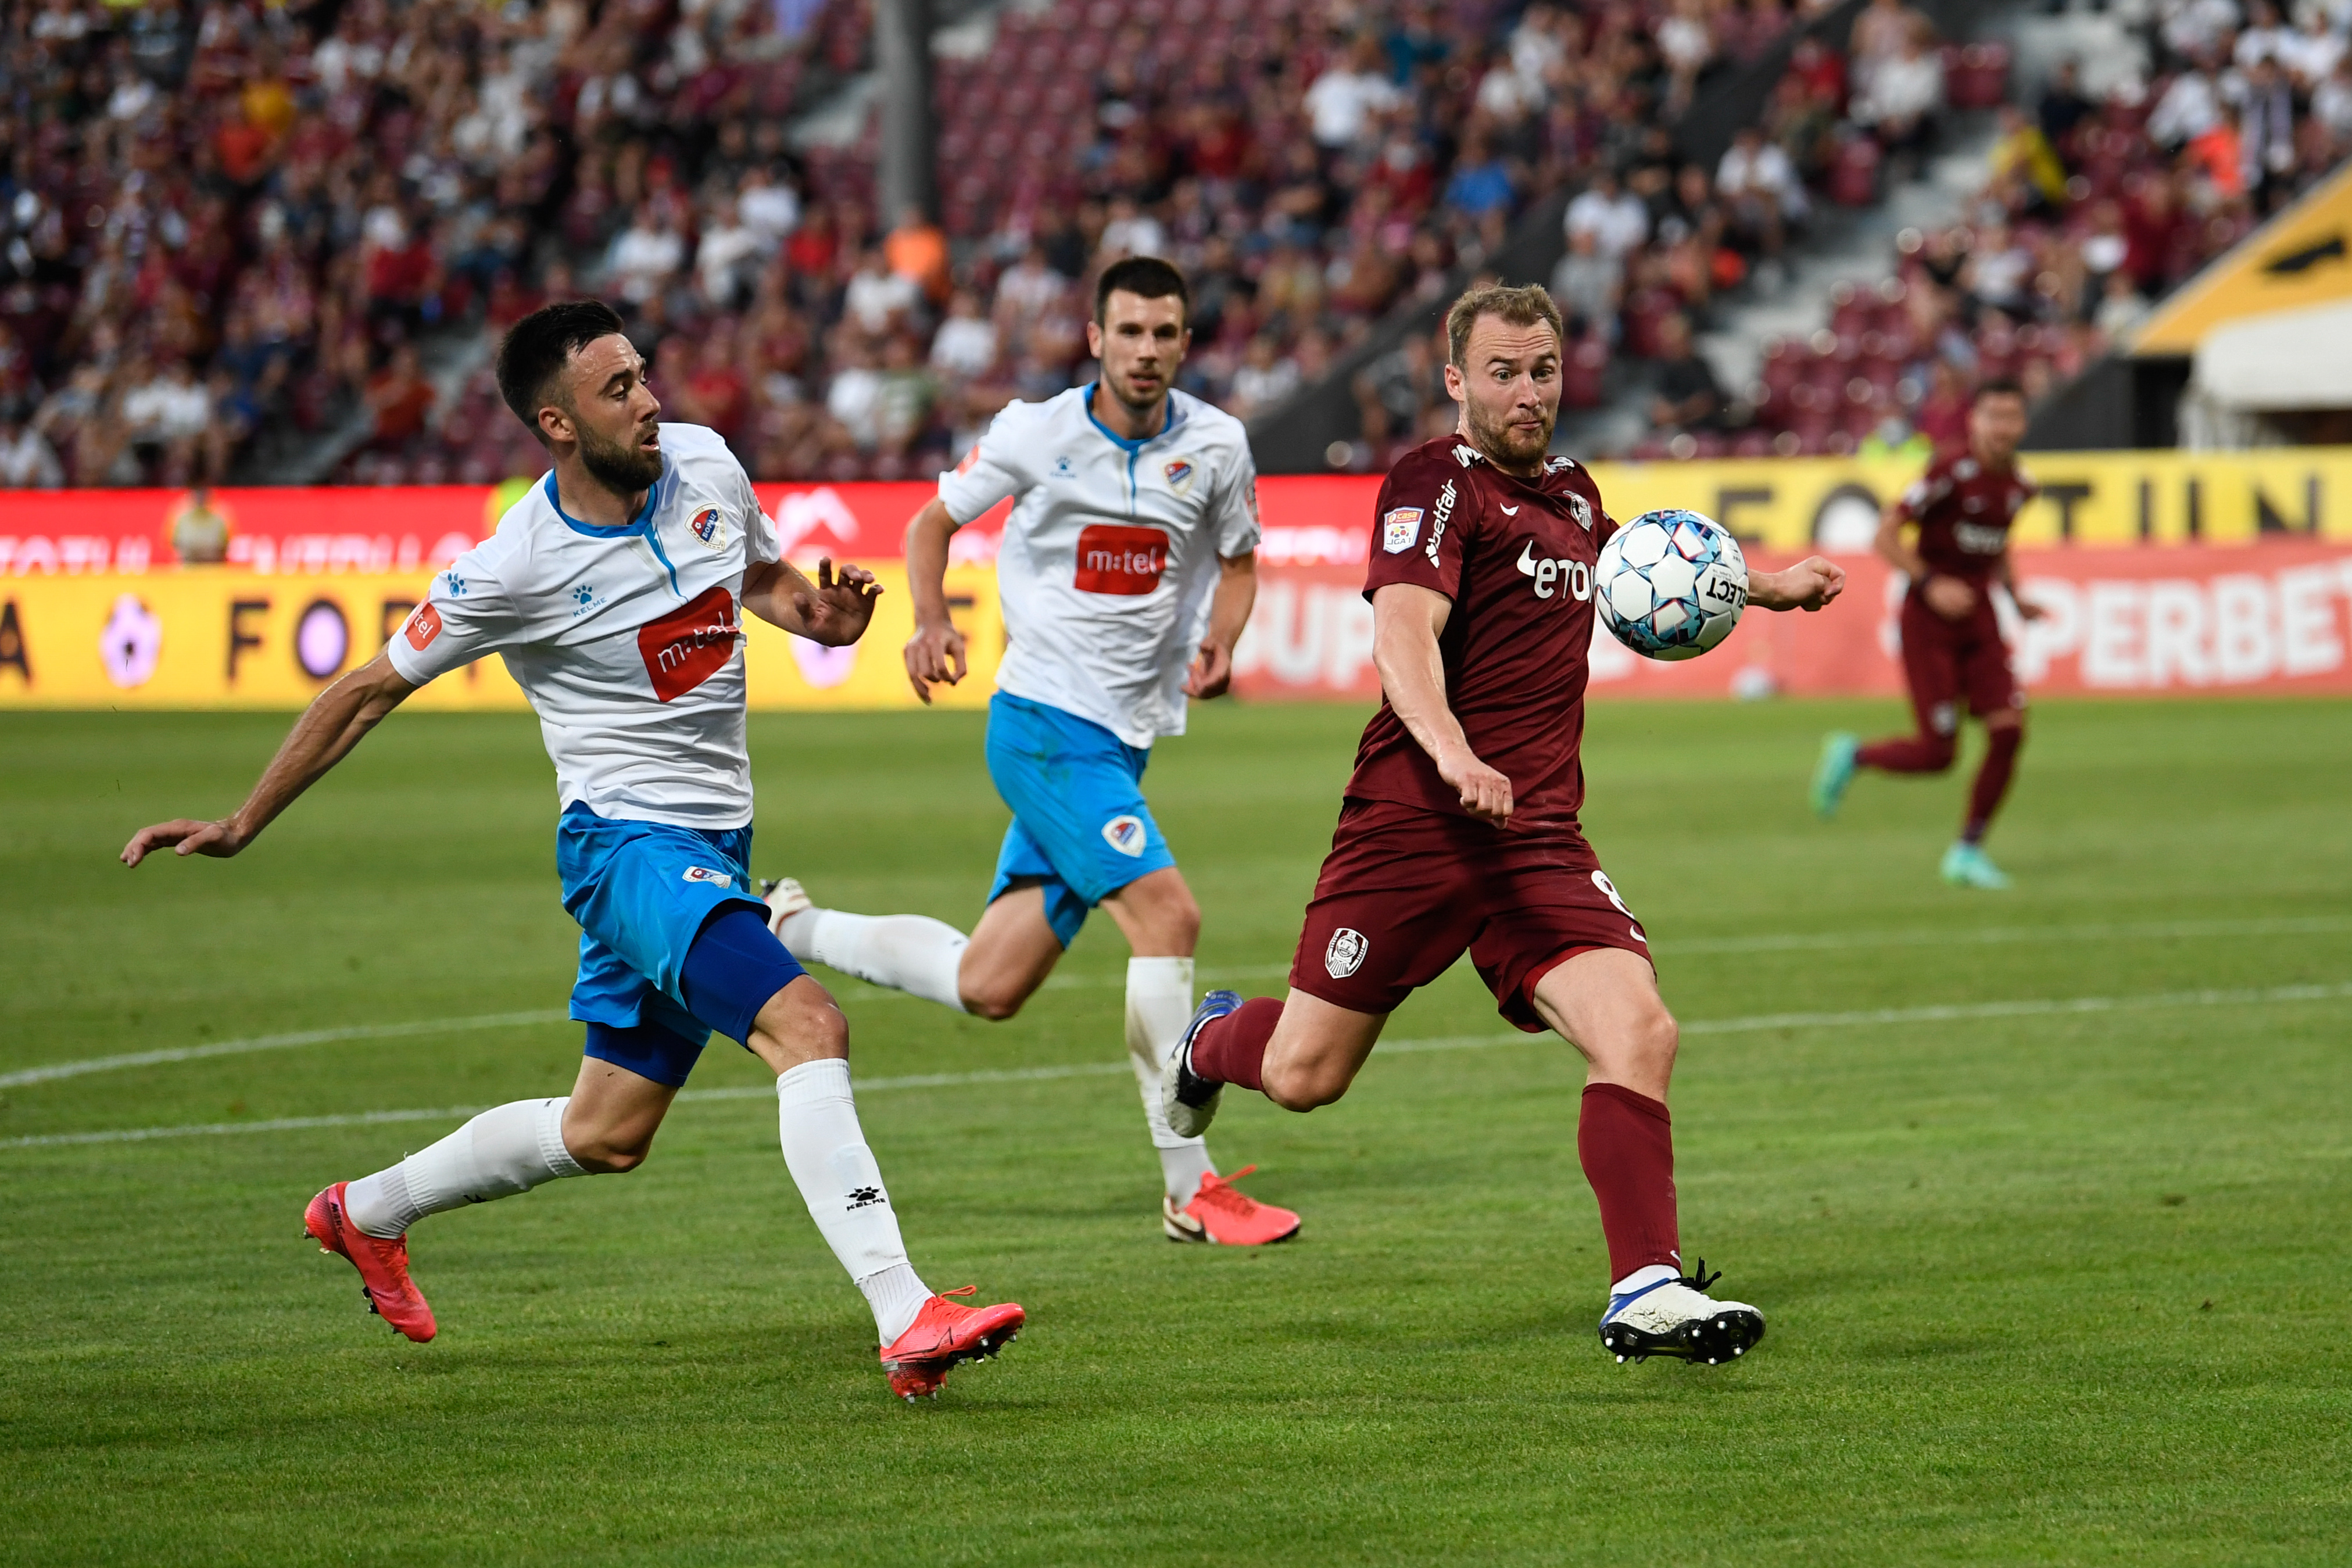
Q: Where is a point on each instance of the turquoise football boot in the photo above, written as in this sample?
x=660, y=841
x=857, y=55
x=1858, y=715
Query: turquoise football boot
x=1833, y=772
x=1967, y=866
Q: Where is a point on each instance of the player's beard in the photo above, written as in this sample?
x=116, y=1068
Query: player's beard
x=623, y=467
x=1505, y=444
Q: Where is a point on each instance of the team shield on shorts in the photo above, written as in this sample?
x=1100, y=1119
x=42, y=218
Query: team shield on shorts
x=1406, y=891
x=1947, y=662
x=1080, y=828
x=642, y=892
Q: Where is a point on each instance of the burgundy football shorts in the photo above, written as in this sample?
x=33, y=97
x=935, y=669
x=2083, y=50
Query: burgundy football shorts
x=1406, y=891
x=1947, y=662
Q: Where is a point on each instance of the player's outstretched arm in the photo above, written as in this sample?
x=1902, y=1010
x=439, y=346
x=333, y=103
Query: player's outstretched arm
x=1809, y=585
x=936, y=650
x=322, y=737
x=834, y=610
x=1406, y=621
x=1229, y=612
x=2007, y=574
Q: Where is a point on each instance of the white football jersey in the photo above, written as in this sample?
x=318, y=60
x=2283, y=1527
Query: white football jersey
x=628, y=640
x=1110, y=556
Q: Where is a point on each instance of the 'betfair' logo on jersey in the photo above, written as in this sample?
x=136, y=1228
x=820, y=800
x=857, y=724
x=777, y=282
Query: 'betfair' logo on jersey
x=1114, y=558
x=690, y=645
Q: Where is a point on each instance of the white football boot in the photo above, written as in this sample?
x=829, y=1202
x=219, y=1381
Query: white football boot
x=1677, y=1318
x=784, y=898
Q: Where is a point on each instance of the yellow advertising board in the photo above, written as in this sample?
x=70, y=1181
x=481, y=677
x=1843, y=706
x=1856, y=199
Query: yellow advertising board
x=2303, y=257
x=198, y=638
x=2099, y=499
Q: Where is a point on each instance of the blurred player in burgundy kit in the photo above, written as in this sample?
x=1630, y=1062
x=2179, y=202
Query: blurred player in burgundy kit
x=1459, y=829
x=1962, y=507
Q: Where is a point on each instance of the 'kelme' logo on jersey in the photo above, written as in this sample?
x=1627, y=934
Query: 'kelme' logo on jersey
x=1114, y=558
x=690, y=645
x=1124, y=834
x=1180, y=472
x=1345, y=954
x=709, y=527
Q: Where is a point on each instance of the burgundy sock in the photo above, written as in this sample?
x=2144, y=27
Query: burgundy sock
x=1909, y=754
x=1626, y=1141
x=1231, y=1050
x=1993, y=774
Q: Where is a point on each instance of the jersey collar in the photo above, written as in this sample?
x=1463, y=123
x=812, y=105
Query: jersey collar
x=1174, y=417
x=638, y=526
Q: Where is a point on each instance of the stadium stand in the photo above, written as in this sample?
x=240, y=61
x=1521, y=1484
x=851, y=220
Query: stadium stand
x=230, y=226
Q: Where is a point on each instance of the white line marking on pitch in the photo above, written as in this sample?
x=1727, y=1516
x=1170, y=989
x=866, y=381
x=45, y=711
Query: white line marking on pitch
x=858, y=990
x=2037, y=1008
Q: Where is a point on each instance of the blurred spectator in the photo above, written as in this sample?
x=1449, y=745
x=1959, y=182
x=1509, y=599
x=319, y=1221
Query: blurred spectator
x=1344, y=102
x=398, y=399
x=1617, y=219
x=918, y=251
x=1689, y=397
x=27, y=462
x=1589, y=285
x=199, y=531
x=965, y=346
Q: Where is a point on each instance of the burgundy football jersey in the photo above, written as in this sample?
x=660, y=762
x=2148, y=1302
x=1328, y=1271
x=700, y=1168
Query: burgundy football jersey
x=1964, y=511
x=1516, y=558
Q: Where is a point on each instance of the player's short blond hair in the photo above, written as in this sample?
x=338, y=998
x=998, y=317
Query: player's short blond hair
x=1523, y=306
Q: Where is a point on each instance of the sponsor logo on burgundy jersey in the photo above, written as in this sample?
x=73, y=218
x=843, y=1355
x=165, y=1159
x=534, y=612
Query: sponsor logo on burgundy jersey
x=1117, y=559
x=690, y=645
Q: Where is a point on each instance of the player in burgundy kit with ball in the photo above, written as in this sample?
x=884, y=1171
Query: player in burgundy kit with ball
x=1459, y=831
x=1952, y=652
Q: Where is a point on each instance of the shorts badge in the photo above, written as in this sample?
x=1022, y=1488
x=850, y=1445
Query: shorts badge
x=1400, y=529
x=705, y=874
x=709, y=526
x=1344, y=956
x=1126, y=835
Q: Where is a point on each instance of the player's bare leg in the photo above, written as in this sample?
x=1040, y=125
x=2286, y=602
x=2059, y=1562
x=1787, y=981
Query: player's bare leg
x=1009, y=955
x=1305, y=1052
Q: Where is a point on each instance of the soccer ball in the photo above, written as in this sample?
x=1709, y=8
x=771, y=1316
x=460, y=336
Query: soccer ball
x=1671, y=584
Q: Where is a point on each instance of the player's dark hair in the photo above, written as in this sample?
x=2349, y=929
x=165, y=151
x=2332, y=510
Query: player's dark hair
x=1147, y=277
x=1998, y=386
x=538, y=347
x=1521, y=306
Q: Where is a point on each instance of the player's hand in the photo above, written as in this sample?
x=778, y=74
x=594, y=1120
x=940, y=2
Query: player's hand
x=1949, y=597
x=934, y=653
x=1808, y=585
x=1211, y=673
x=839, y=611
x=1485, y=793
x=186, y=835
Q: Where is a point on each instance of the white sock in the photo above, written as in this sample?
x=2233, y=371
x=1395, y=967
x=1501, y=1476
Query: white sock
x=1650, y=1273
x=816, y=1120
x=913, y=953
x=504, y=1151
x=1159, y=1005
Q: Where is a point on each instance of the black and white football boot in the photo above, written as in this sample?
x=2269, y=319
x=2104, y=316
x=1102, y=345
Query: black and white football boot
x=1189, y=1100
x=1677, y=1317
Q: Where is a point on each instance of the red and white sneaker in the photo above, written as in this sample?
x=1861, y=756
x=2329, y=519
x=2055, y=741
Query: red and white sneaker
x=382, y=1265
x=1223, y=1216
x=943, y=1333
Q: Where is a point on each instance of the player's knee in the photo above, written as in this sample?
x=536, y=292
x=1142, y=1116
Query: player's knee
x=1302, y=1086
x=990, y=998
x=1656, y=1039
x=799, y=1023
x=1942, y=750
x=602, y=1154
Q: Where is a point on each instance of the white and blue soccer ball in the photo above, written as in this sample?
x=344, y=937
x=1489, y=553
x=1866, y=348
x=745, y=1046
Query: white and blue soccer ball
x=1671, y=584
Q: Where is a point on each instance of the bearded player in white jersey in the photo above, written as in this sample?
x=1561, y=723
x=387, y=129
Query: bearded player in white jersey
x=613, y=592
x=1127, y=573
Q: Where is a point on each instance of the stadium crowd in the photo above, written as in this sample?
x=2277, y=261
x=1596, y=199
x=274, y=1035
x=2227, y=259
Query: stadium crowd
x=237, y=219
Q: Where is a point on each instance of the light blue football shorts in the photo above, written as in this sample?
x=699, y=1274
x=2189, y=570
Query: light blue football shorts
x=1080, y=828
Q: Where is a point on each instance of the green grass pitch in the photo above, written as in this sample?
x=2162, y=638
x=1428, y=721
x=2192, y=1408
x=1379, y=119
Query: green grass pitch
x=2045, y=1285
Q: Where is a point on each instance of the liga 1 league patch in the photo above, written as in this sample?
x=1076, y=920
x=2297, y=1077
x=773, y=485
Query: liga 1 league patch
x=1115, y=558
x=1400, y=529
x=1345, y=954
